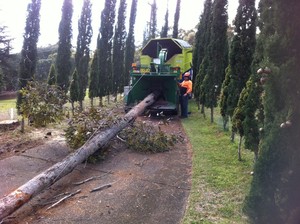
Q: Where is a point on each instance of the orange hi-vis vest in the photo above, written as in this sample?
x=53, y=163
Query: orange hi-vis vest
x=188, y=85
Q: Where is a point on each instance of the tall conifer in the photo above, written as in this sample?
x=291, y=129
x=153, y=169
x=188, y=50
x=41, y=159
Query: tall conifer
x=52, y=76
x=165, y=28
x=274, y=195
x=217, y=55
x=82, y=55
x=176, y=19
x=241, y=56
x=63, y=59
x=29, y=50
x=105, y=48
x=153, y=20
x=74, y=89
x=119, y=49
x=5, y=48
x=201, y=49
x=130, y=46
x=94, y=78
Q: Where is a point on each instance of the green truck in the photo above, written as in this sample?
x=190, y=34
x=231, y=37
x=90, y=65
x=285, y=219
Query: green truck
x=162, y=63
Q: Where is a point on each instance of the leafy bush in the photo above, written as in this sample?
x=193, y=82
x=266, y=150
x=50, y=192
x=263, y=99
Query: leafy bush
x=42, y=104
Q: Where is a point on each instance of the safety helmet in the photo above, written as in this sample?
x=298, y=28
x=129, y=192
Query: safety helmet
x=187, y=74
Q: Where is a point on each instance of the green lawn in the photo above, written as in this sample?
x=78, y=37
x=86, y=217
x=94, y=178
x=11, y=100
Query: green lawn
x=219, y=181
x=5, y=105
x=5, y=109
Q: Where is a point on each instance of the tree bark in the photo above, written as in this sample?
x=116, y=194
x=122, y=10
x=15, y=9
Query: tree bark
x=24, y=193
x=81, y=105
x=92, y=102
x=240, y=148
x=22, y=124
x=225, y=121
x=203, y=110
x=212, y=114
x=255, y=155
x=232, y=136
x=72, y=105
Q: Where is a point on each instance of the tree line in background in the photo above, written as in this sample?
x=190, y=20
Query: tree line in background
x=252, y=76
x=106, y=72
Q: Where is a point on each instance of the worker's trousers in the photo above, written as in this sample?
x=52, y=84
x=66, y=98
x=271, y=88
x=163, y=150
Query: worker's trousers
x=183, y=100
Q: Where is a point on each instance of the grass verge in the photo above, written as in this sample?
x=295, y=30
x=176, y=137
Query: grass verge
x=5, y=109
x=5, y=105
x=219, y=181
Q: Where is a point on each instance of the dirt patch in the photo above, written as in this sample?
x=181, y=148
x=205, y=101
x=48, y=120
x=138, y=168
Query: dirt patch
x=15, y=143
x=145, y=188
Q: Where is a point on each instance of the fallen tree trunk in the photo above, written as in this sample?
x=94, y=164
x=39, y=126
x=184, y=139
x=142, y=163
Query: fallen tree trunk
x=24, y=193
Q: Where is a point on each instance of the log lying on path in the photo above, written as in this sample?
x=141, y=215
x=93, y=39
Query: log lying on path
x=24, y=193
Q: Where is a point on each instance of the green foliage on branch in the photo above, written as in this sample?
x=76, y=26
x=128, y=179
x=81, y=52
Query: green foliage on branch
x=274, y=197
x=87, y=123
x=144, y=138
x=139, y=137
x=42, y=103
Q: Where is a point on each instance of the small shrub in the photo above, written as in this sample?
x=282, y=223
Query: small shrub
x=42, y=103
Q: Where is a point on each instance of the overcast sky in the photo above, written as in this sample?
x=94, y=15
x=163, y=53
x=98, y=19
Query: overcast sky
x=13, y=15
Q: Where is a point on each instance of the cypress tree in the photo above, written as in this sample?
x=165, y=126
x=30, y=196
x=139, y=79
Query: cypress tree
x=274, y=194
x=176, y=20
x=165, y=28
x=94, y=78
x=241, y=56
x=130, y=47
x=224, y=95
x=82, y=56
x=198, y=47
x=4, y=54
x=105, y=47
x=63, y=59
x=253, y=113
x=52, y=76
x=4, y=49
x=217, y=55
x=199, y=83
x=119, y=49
x=74, y=89
x=29, y=50
x=246, y=117
x=249, y=113
x=153, y=20
x=201, y=47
